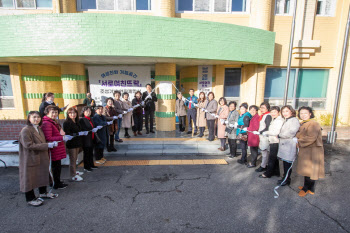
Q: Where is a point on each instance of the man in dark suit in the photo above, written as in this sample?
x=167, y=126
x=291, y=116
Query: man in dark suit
x=149, y=98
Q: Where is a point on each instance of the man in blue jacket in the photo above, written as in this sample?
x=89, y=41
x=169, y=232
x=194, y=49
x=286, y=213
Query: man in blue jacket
x=191, y=112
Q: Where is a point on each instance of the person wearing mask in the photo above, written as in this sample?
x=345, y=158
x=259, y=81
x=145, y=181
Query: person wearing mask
x=264, y=124
x=128, y=121
x=243, y=123
x=118, y=106
x=272, y=135
x=180, y=111
x=54, y=133
x=86, y=124
x=201, y=122
x=311, y=152
x=222, y=114
x=192, y=112
x=111, y=115
x=48, y=99
x=137, y=114
x=34, y=161
x=149, y=97
x=90, y=102
x=287, y=150
x=253, y=139
x=210, y=114
x=100, y=122
x=231, y=125
x=72, y=127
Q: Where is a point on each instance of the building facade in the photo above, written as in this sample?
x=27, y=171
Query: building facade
x=48, y=45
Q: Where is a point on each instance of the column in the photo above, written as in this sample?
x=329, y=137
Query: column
x=189, y=80
x=64, y=6
x=260, y=86
x=218, y=89
x=17, y=88
x=37, y=80
x=165, y=8
x=165, y=107
x=73, y=83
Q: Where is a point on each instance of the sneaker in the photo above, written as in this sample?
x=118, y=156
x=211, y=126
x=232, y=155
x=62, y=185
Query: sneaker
x=100, y=161
x=60, y=186
x=79, y=173
x=77, y=178
x=35, y=202
x=94, y=167
x=48, y=195
x=87, y=169
x=260, y=169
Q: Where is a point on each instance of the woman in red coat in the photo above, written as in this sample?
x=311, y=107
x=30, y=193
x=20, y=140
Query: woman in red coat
x=54, y=133
x=253, y=139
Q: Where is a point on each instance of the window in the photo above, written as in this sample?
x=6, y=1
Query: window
x=306, y=87
x=212, y=6
x=326, y=7
x=26, y=4
x=284, y=7
x=232, y=85
x=114, y=5
x=6, y=95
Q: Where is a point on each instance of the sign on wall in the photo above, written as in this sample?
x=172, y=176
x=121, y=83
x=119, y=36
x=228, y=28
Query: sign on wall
x=104, y=80
x=205, y=79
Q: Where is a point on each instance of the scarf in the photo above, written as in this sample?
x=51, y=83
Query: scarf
x=89, y=118
x=261, y=116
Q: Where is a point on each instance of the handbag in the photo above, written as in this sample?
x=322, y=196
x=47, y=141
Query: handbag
x=228, y=130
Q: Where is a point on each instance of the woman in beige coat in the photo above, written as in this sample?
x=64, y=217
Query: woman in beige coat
x=201, y=121
x=222, y=115
x=34, y=160
x=127, y=118
x=311, y=152
x=180, y=111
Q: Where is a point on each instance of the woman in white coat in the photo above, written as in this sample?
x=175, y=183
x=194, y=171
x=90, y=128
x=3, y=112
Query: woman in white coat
x=287, y=150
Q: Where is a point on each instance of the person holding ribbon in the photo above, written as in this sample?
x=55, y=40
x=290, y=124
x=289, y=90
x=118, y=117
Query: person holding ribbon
x=72, y=127
x=87, y=125
x=191, y=102
x=243, y=123
x=253, y=139
x=48, y=99
x=264, y=124
x=272, y=134
x=128, y=121
x=118, y=106
x=34, y=161
x=53, y=133
x=221, y=115
x=210, y=114
x=287, y=150
x=180, y=111
x=111, y=115
x=100, y=122
x=311, y=152
x=149, y=97
x=201, y=122
x=231, y=125
x=137, y=114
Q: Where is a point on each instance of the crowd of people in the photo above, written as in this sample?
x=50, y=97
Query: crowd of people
x=277, y=133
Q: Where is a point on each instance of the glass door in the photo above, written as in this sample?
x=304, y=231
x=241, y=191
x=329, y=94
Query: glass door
x=232, y=85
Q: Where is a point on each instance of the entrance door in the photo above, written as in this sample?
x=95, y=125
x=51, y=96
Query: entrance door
x=232, y=84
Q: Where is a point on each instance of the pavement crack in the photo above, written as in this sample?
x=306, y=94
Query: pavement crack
x=176, y=189
x=189, y=226
x=322, y=211
x=109, y=198
x=196, y=178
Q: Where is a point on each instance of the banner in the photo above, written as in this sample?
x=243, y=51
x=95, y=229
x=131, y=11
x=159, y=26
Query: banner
x=104, y=80
x=205, y=79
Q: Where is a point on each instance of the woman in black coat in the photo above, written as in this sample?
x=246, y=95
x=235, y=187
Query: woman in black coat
x=47, y=100
x=86, y=124
x=71, y=127
x=100, y=120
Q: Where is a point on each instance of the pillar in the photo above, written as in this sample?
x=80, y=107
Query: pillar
x=165, y=8
x=260, y=86
x=39, y=79
x=17, y=89
x=73, y=83
x=261, y=14
x=218, y=89
x=165, y=109
x=64, y=6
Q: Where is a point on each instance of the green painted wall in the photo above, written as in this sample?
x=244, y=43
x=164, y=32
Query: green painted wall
x=132, y=35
